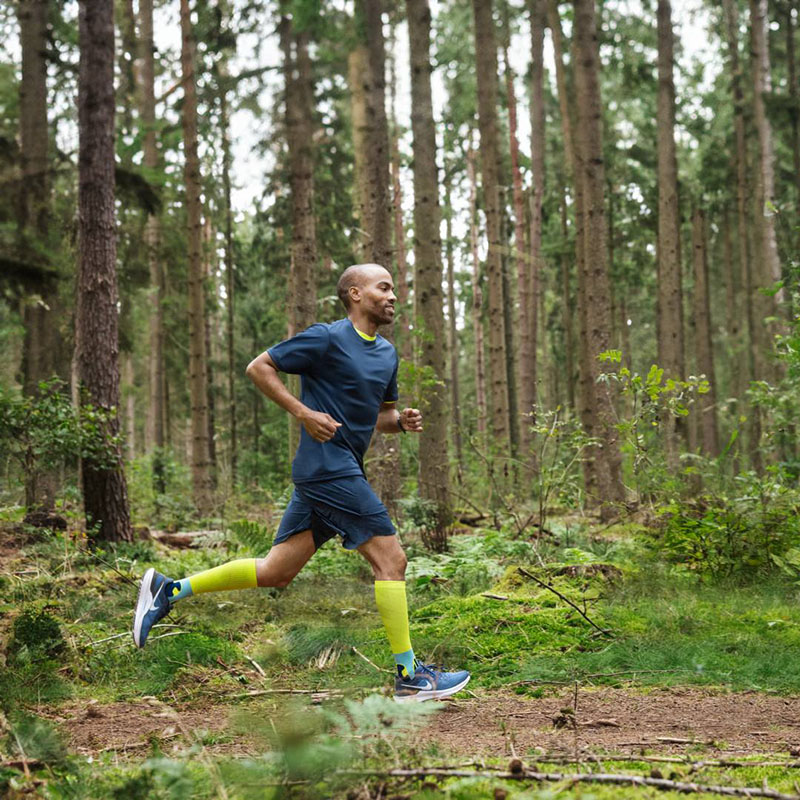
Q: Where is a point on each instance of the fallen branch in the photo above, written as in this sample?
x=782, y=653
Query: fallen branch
x=565, y=599
x=685, y=760
x=581, y=777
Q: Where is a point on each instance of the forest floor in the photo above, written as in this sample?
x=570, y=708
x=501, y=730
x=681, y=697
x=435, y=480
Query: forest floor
x=619, y=663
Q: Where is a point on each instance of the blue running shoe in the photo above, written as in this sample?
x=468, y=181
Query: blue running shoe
x=152, y=605
x=428, y=683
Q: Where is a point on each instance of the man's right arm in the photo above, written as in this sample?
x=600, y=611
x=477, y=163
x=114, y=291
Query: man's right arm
x=264, y=374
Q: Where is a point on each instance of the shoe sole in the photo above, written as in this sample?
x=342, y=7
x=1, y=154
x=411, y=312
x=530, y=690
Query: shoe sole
x=142, y=604
x=433, y=694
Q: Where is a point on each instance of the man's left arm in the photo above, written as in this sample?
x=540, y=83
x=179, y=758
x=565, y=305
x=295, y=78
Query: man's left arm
x=391, y=420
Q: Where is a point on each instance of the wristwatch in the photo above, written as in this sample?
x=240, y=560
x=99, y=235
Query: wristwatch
x=400, y=422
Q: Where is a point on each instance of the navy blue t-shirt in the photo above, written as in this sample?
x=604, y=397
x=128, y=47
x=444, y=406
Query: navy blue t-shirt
x=346, y=376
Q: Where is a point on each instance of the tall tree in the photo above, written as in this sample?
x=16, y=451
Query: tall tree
x=477, y=294
x=366, y=75
x=198, y=374
x=704, y=353
x=528, y=342
x=590, y=169
x=42, y=352
x=299, y=87
x=104, y=489
x=567, y=102
x=452, y=330
x=156, y=407
x=765, y=174
x=668, y=246
x=434, y=469
x=486, y=66
x=754, y=336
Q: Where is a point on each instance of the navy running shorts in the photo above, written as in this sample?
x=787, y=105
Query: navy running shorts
x=345, y=507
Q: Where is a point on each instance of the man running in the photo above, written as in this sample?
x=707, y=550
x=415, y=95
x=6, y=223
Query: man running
x=348, y=389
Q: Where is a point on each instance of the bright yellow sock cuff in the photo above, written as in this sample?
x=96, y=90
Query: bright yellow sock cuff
x=240, y=574
x=390, y=597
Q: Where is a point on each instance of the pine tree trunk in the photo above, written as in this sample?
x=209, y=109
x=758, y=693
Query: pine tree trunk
x=528, y=342
x=590, y=172
x=152, y=237
x=104, y=489
x=209, y=282
x=367, y=63
x=43, y=352
x=434, y=467
x=525, y=363
x=230, y=285
x=477, y=296
x=754, y=336
x=704, y=352
x=486, y=66
x=201, y=474
x=765, y=174
x=569, y=123
x=299, y=135
x=401, y=262
x=668, y=247
x=452, y=333
x=566, y=305
x=794, y=111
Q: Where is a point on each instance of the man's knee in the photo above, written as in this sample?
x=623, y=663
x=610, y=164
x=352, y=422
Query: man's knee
x=272, y=576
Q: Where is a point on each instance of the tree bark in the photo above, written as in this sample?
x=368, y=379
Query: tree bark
x=367, y=63
x=794, y=110
x=529, y=342
x=569, y=124
x=104, y=489
x=754, y=336
x=299, y=137
x=452, y=333
x=486, y=65
x=434, y=467
x=704, y=352
x=765, y=174
x=668, y=245
x=43, y=353
x=230, y=284
x=401, y=262
x=201, y=473
x=156, y=414
x=590, y=169
x=477, y=296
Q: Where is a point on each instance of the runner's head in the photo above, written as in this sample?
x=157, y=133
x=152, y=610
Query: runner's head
x=368, y=290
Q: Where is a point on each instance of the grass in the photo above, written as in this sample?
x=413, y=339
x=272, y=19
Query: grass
x=668, y=628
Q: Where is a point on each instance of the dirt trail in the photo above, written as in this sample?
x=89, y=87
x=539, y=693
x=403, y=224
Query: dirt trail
x=621, y=720
x=606, y=720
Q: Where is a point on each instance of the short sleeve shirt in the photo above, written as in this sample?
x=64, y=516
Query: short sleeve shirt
x=346, y=376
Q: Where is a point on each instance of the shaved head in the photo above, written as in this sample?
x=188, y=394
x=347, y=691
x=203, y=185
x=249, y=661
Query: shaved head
x=357, y=276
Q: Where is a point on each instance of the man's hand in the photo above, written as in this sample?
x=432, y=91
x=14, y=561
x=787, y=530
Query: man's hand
x=319, y=426
x=411, y=420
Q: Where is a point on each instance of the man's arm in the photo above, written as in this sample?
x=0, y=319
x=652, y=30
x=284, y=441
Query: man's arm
x=390, y=420
x=264, y=374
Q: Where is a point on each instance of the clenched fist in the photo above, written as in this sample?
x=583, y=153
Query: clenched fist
x=319, y=426
x=411, y=420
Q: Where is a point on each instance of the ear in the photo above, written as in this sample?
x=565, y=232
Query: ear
x=355, y=294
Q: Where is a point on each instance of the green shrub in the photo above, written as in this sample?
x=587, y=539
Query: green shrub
x=38, y=634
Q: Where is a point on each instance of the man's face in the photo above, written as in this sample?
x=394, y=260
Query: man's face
x=377, y=297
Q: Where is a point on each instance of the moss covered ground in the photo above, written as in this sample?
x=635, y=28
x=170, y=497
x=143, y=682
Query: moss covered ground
x=239, y=669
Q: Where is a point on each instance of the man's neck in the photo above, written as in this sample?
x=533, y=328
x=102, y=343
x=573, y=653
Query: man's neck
x=363, y=324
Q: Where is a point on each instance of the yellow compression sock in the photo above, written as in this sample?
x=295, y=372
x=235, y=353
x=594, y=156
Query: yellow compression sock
x=390, y=597
x=240, y=574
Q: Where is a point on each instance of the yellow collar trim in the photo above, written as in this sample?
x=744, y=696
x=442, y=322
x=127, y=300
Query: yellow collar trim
x=362, y=334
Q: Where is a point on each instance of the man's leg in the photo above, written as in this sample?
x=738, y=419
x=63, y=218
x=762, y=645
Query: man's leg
x=414, y=681
x=388, y=562
x=157, y=593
